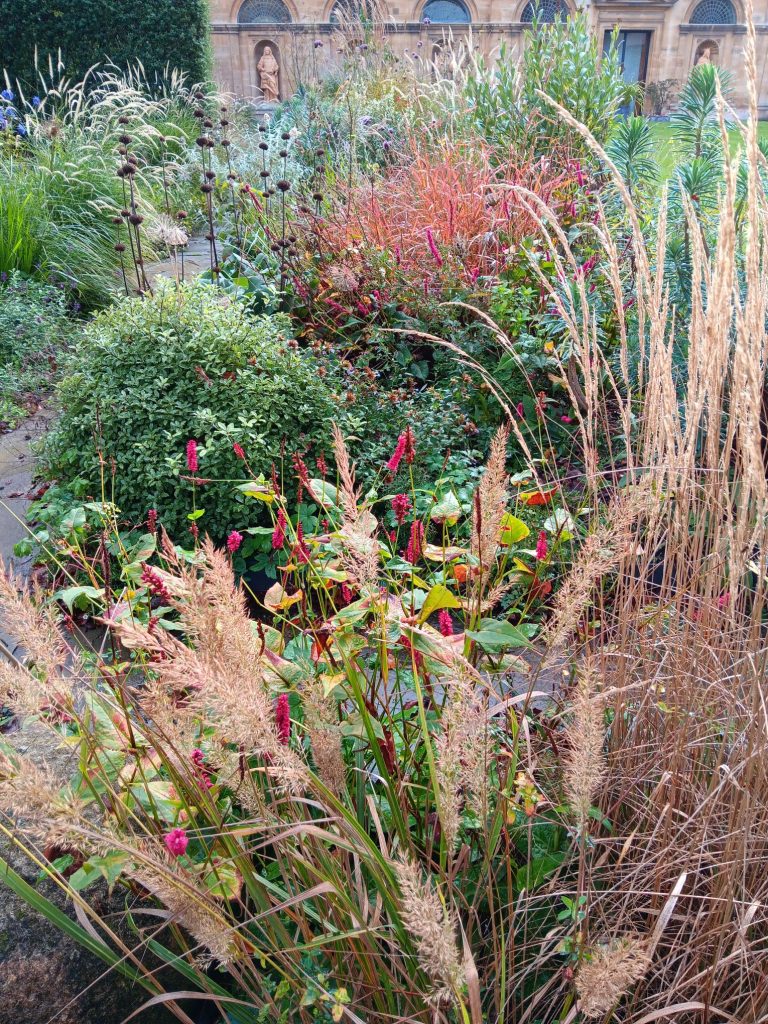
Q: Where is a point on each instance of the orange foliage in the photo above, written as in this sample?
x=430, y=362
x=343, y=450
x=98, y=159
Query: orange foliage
x=446, y=214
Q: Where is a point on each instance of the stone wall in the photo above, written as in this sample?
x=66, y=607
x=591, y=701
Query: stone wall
x=674, y=42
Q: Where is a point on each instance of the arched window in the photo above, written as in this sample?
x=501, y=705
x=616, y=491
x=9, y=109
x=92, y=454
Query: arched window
x=714, y=12
x=545, y=11
x=263, y=12
x=445, y=12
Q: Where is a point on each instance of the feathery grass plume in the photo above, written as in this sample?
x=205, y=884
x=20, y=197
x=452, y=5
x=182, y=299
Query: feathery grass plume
x=24, y=693
x=35, y=627
x=434, y=931
x=329, y=761
x=49, y=813
x=190, y=904
x=462, y=748
x=219, y=679
x=489, y=506
x=585, y=763
x=324, y=736
x=215, y=613
x=222, y=675
x=609, y=973
x=360, y=557
x=600, y=554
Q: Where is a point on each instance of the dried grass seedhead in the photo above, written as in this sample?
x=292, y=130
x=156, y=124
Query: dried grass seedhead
x=585, y=762
x=463, y=750
x=360, y=556
x=34, y=626
x=610, y=972
x=489, y=505
x=434, y=931
x=48, y=812
x=189, y=903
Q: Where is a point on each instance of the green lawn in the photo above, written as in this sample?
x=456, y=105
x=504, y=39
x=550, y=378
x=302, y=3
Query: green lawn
x=666, y=155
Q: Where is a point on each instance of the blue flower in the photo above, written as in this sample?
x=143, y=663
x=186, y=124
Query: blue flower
x=2, y=122
x=36, y=101
x=21, y=130
x=8, y=94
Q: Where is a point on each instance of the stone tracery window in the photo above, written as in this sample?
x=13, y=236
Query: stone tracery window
x=714, y=12
x=544, y=11
x=446, y=12
x=263, y=12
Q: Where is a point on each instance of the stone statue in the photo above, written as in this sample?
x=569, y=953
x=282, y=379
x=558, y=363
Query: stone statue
x=269, y=72
x=705, y=57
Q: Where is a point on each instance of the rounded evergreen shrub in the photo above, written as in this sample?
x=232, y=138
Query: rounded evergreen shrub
x=150, y=374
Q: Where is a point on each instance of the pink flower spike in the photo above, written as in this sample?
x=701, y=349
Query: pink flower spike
x=445, y=623
x=397, y=455
x=238, y=450
x=177, y=842
x=234, y=540
x=433, y=248
x=541, y=546
x=192, y=464
x=415, y=547
x=520, y=410
x=566, y=419
x=410, y=445
x=283, y=719
x=401, y=506
x=278, y=534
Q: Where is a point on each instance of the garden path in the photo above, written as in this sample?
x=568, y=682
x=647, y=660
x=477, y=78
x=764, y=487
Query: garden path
x=17, y=470
x=196, y=261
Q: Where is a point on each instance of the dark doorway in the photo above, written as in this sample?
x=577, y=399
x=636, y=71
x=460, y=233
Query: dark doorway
x=633, y=55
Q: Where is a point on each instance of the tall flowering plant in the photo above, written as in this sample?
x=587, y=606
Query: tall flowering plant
x=344, y=763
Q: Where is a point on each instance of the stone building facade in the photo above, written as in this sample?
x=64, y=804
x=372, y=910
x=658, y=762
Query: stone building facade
x=660, y=40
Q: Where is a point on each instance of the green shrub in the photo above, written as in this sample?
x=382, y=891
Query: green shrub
x=158, y=33
x=34, y=326
x=148, y=375
x=563, y=60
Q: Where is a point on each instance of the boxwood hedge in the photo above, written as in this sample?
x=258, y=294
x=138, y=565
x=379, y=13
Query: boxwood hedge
x=159, y=33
